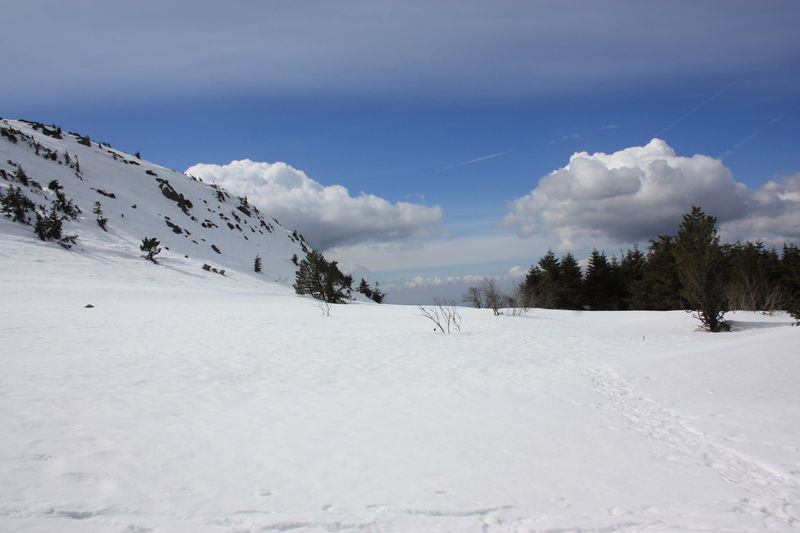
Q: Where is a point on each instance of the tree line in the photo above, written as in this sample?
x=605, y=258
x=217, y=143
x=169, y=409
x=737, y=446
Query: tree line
x=690, y=270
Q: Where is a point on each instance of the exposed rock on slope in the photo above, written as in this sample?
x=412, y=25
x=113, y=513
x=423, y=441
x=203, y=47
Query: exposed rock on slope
x=62, y=185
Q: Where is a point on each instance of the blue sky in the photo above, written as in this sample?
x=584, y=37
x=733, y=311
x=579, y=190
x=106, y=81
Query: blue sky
x=463, y=106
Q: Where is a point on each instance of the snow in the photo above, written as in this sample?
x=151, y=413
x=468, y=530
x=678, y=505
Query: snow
x=213, y=404
x=186, y=401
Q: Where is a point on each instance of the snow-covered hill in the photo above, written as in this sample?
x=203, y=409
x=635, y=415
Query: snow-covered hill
x=197, y=223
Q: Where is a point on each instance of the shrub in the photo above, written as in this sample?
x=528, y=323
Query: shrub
x=101, y=220
x=49, y=227
x=373, y=294
x=16, y=205
x=443, y=314
x=150, y=247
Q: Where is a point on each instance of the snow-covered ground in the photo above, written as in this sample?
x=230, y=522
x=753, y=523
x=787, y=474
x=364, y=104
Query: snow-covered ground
x=185, y=401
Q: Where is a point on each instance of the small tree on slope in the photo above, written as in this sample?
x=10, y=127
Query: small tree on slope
x=150, y=247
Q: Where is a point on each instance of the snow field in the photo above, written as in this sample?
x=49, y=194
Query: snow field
x=188, y=401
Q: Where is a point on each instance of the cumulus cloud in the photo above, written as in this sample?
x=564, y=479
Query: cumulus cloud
x=642, y=191
x=773, y=214
x=326, y=215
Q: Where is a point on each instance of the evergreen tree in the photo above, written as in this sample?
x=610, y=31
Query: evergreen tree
x=702, y=268
x=600, y=286
x=631, y=272
x=101, y=220
x=49, y=227
x=570, y=283
x=16, y=204
x=322, y=279
x=540, y=287
x=754, y=277
x=364, y=288
x=378, y=295
x=257, y=264
x=150, y=247
x=790, y=279
x=659, y=287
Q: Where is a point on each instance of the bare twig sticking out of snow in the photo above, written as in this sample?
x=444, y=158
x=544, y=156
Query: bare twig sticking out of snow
x=325, y=307
x=443, y=314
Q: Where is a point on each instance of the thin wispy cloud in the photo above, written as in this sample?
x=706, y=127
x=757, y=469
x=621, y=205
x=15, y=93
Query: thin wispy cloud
x=483, y=158
x=733, y=149
x=575, y=136
x=757, y=133
x=568, y=137
x=473, y=161
x=693, y=110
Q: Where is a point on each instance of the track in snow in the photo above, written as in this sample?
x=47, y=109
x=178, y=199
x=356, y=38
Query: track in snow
x=773, y=497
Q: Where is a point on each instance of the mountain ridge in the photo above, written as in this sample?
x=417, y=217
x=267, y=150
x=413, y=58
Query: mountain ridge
x=79, y=181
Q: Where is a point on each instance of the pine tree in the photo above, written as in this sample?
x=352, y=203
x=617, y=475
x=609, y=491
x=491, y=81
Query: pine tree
x=659, y=288
x=377, y=295
x=570, y=281
x=631, y=271
x=49, y=227
x=101, y=220
x=257, y=264
x=600, y=286
x=16, y=204
x=322, y=279
x=754, y=278
x=702, y=269
x=540, y=287
x=790, y=279
x=150, y=247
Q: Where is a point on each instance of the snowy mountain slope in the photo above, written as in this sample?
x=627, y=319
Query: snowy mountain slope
x=236, y=406
x=197, y=223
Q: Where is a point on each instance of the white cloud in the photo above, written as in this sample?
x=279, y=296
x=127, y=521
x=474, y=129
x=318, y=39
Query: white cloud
x=514, y=274
x=436, y=253
x=773, y=214
x=326, y=215
x=642, y=191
